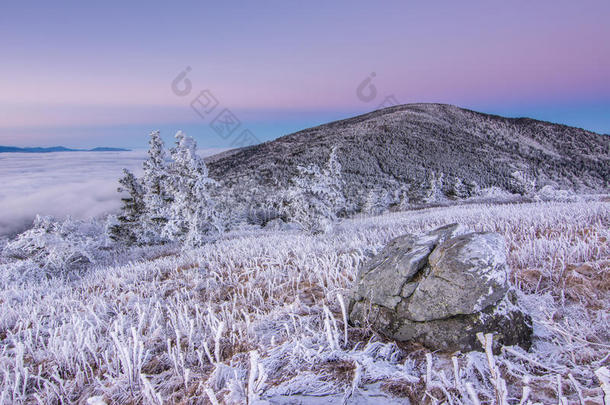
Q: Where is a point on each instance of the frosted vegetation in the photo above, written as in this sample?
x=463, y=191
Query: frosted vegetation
x=185, y=297
x=417, y=154
x=259, y=315
x=175, y=200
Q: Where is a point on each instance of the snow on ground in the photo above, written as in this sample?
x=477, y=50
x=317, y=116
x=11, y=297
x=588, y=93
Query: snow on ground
x=257, y=317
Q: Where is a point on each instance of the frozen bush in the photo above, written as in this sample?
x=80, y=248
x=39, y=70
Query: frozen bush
x=58, y=247
x=550, y=193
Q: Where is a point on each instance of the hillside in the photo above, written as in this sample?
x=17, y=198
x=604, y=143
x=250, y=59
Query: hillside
x=429, y=151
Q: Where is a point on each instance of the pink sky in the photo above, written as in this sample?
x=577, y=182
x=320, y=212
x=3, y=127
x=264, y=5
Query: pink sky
x=81, y=65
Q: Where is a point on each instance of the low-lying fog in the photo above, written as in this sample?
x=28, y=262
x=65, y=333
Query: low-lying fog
x=80, y=184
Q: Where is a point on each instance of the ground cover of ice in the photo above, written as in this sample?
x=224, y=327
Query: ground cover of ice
x=258, y=317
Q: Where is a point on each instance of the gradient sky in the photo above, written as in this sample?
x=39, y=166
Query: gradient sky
x=87, y=74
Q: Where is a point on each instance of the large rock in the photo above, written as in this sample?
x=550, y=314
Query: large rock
x=440, y=289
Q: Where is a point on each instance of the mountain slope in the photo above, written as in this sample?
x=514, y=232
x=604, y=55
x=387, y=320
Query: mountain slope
x=417, y=147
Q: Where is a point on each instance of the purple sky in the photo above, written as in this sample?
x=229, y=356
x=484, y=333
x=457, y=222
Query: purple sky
x=99, y=74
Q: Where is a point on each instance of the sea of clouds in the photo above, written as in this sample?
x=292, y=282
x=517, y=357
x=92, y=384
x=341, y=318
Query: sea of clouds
x=78, y=184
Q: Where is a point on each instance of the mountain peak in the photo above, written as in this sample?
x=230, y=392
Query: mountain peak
x=413, y=147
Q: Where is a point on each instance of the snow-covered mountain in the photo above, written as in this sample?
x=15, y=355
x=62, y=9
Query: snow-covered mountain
x=427, y=152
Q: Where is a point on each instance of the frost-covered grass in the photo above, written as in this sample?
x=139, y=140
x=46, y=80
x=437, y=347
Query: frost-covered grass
x=259, y=315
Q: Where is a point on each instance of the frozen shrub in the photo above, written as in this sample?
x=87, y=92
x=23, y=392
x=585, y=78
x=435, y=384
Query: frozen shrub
x=58, y=247
x=495, y=193
x=522, y=183
x=262, y=215
x=550, y=193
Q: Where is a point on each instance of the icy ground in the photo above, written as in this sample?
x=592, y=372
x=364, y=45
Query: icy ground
x=258, y=317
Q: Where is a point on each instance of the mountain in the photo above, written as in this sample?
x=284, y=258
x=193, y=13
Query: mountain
x=4, y=149
x=106, y=149
x=427, y=152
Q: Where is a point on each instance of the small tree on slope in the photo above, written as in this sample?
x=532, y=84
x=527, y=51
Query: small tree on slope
x=316, y=195
x=192, y=217
x=128, y=228
x=459, y=190
x=156, y=196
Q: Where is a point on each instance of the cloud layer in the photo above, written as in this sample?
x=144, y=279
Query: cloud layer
x=79, y=184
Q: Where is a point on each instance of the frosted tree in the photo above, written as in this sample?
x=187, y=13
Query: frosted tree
x=377, y=201
x=156, y=195
x=332, y=183
x=522, y=183
x=316, y=195
x=472, y=188
x=371, y=204
x=128, y=227
x=459, y=190
x=192, y=215
x=432, y=189
x=387, y=199
x=403, y=198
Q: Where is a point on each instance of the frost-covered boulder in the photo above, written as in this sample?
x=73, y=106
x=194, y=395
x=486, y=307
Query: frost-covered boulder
x=440, y=289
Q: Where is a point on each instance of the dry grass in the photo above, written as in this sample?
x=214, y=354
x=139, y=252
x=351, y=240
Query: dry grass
x=191, y=322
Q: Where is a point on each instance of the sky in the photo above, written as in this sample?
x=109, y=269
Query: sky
x=86, y=74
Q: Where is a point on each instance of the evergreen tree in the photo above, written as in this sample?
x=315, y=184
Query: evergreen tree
x=459, y=190
x=522, y=183
x=128, y=227
x=370, y=205
x=316, y=196
x=192, y=217
x=332, y=184
x=472, y=188
x=403, y=202
x=155, y=183
x=432, y=191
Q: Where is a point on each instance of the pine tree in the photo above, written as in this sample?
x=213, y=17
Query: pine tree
x=404, y=200
x=316, y=196
x=386, y=200
x=432, y=191
x=128, y=228
x=370, y=205
x=192, y=217
x=459, y=190
x=332, y=185
x=155, y=183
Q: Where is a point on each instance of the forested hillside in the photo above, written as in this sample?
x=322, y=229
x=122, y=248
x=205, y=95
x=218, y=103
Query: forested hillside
x=425, y=153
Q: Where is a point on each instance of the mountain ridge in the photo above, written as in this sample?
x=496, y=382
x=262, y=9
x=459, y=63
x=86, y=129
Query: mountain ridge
x=51, y=149
x=424, y=149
